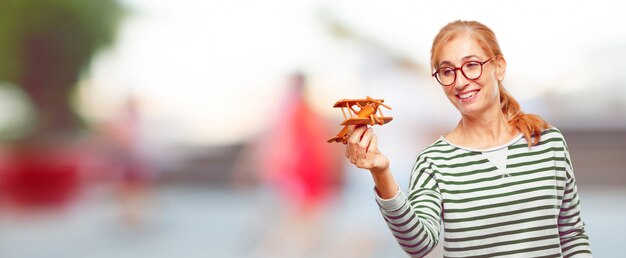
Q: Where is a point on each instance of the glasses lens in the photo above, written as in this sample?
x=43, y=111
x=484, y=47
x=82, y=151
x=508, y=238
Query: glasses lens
x=472, y=70
x=446, y=75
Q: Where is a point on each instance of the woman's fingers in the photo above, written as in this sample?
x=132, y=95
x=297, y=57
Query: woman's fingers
x=362, y=150
x=359, y=145
x=364, y=143
x=372, y=151
x=356, y=134
x=373, y=147
x=367, y=158
x=350, y=130
x=353, y=144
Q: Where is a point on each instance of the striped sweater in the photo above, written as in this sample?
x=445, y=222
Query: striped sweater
x=529, y=209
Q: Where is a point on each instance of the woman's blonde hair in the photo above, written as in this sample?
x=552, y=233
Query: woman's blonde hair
x=530, y=125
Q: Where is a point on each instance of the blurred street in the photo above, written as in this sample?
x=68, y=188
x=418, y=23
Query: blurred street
x=222, y=223
x=191, y=219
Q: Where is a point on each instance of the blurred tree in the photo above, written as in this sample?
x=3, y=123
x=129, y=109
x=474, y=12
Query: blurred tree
x=45, y=45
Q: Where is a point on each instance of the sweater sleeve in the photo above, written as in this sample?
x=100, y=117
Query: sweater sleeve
x=574, y=239
x=415, y=220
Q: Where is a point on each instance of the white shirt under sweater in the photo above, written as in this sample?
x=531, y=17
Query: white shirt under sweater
x=528, y=209
x=496, y=155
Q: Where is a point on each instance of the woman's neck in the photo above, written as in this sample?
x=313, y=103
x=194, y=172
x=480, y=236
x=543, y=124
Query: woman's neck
x=488, y=130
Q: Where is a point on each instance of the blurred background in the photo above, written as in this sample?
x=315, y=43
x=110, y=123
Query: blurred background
x=152, y=128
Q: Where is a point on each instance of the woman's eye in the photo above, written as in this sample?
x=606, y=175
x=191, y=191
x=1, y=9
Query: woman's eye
x=447, y=72
x=472, y=65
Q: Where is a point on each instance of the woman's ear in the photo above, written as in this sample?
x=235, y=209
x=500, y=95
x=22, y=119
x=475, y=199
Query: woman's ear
x=500, y=68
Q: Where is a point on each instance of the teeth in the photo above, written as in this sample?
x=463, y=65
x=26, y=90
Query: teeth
x=467, y=95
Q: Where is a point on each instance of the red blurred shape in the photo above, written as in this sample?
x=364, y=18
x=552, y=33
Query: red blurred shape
x=41, y=178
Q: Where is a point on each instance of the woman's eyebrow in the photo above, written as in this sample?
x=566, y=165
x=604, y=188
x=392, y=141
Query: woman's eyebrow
x=470, y=57
x=445, y=63
x=465, y=58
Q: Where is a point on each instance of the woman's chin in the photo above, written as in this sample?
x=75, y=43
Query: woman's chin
x=473, y=109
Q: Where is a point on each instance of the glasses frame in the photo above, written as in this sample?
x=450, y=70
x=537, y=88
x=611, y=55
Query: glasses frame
x=462, y=72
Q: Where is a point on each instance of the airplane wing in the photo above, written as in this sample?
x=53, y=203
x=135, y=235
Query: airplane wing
x=364, y=120
x=351, y=102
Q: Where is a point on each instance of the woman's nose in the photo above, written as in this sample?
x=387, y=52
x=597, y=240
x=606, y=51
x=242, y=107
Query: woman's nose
x=461, y=81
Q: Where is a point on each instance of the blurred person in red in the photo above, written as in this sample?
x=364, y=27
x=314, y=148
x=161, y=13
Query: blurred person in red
x=295, y=163
x=295, y=158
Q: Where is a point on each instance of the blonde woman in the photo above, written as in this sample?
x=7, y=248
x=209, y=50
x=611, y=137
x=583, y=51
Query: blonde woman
x=501, y=181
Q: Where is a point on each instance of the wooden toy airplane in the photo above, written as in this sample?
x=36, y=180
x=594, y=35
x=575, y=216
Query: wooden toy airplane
x=365, y=116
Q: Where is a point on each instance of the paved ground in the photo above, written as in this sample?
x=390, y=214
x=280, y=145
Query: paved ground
x=197, y=222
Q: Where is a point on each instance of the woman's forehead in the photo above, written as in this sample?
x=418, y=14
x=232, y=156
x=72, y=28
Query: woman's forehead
x=461, y=48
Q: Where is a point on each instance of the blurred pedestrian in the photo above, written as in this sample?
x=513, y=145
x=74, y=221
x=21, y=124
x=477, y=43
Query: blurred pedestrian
x=301, y=171
x=134, y=173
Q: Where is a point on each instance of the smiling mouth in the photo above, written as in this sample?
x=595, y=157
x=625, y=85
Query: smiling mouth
x=467, y=95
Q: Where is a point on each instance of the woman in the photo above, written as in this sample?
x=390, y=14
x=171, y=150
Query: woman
x=501, y=181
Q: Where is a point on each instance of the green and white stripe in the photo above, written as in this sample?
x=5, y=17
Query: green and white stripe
x=529, y=209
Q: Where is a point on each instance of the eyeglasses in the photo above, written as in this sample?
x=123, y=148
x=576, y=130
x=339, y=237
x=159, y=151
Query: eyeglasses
x=472, y=70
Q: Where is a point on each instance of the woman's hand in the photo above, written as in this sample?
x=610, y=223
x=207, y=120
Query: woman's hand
x=362, y=150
